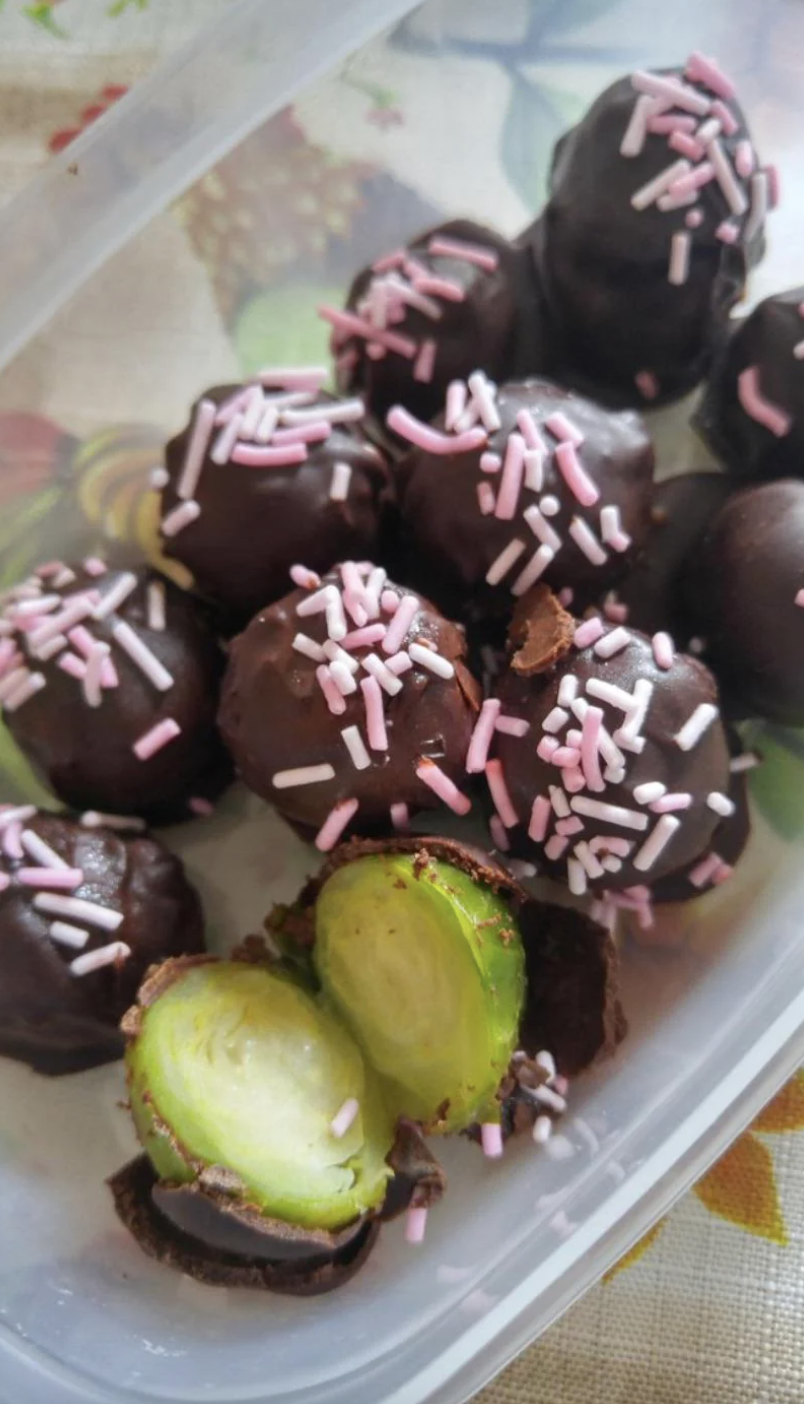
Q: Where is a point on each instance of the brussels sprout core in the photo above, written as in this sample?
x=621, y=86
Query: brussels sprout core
x=235, y=1067
x=426, y=967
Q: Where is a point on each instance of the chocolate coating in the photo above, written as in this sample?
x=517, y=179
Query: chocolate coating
x=255, y=523
x=84, y=753
x=741, y=589
x=274, y=718
x=496, y=324
x=676, y=694
x=449, y=544
x=604, y=264
x=764, y=341
x=55, y=1020
x=168, y=1233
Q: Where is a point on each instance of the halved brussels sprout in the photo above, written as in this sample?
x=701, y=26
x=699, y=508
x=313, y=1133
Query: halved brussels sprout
x=425, y=965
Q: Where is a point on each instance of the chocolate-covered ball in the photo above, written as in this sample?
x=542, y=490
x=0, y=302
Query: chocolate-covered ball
x=84, y=911
x=545, y=485
x=350, y=707
x=458, y=296
x=752, y=414
x=655, y=214
x=612, y=767
x=267, y=475
x=745, y=592
x=109, y=683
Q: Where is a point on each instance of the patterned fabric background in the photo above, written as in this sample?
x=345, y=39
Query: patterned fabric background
x=709, y=1306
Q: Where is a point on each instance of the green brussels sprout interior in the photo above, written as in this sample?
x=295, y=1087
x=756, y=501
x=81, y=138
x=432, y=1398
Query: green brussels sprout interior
x=236, y=1066
x=426, y=967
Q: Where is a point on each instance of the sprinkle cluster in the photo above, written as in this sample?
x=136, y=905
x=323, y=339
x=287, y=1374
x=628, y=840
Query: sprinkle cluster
x=694, y=112
x=401, y=284
x=371, y=644
x=44, y=619
x=589, y=740
x=513, y=482
x=271, y=423
x=32, y=863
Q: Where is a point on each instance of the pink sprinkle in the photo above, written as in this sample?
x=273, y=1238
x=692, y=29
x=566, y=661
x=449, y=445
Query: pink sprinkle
x=589, y=632
x=616, y=612
x=633, y=141
x=375, y=715
x=566, y=596
x=575, y=476
x=456, y=404
x=568, y=756
x=722, y=874
x=498, y=835
x=725, y=117
x=771, y=416
x=436, y=780
x=512, y=726
x=74, y=666
x=663, y=124
x=352, y=325
x=799, y=600
x=256, y=456
x=486, y=499
x=491, y=1139
x=334, y=824
x=567, y=827
x=180, y=518
x=230, y=408
x=556, y=847
x=401, y=622
x=400, y=818
x=158, y=736
x=479, y=254
x=586, y=541
x=727, y=180
x=477, y=754
x=528, y=428
x=539, y=819
x=744, y=159
x=12, y=834
x=81, y=639
x=432, y=440
x=316, y=432
x=399, y=663
x=304, y=578
x=703, y=872
x=694, y=218
x=424, y=365
x=647, y=384
x=774, y=183
x=663, y=650
x=389, y=602
x=700, y=69
x=204, y=808
x=490, y=463
x=94, y=566
x=590, y=754
x=415, y=1225
x=332, y=694
x=499, y=793
x=511, y=480
x=547, y=748
x=727, y=232
x=439, y=287
x=669, y=803
x=65, y=878
x=365, y=637
x=686, y=145
x=395, y=259
x=561, y=428
x=196, y=448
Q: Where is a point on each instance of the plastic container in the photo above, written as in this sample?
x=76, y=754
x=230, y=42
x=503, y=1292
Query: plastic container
x=717, y=1021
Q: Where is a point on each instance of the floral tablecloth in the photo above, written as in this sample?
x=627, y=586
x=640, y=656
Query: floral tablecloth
x=709, y=1308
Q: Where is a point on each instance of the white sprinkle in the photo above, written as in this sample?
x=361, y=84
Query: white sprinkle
x=586, y=541
x=744, y=762
x=576, y=877
x=156, y=606
x=341, y=478
x=534, y=469
x=113, y=598
x=335, y=654
x=720, y=804
x=302, y=775
x=196, y=448
x=98, y=959
x=49, y=649
x=535, y=568
x=609, y=813
x=180, y=518
x=656, y=842
x=609, y=692
x=648, y=193
x=65, y=934
x=695, y=726
x=636, y=131
x=17, y=814
x=679, y=266
x=650, y=791
x=484, y=400
x=95, y=819
x=346, y=412
x=336, y=619
x=343, y=1118
x=611, y=529
x=612, y=643
x=555, y=720
x=559, y=801
x=541, y=528
x=353, y=741
x=759, y=206
x=31, y=684
x=91, y=681
x=542, y=1130
x=546, y=1062
x=225, y=441
x=727, y=180
x=628, y=735
x=550, y=505
x=343, y=678
x=141, y=654
x=303, y=644
x=91, y=912
x=546, y=1097
x=567, y=690
x=41, y=851
x=504, y=561
x=388, y=681
x=432, y=661
x=158, y=478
